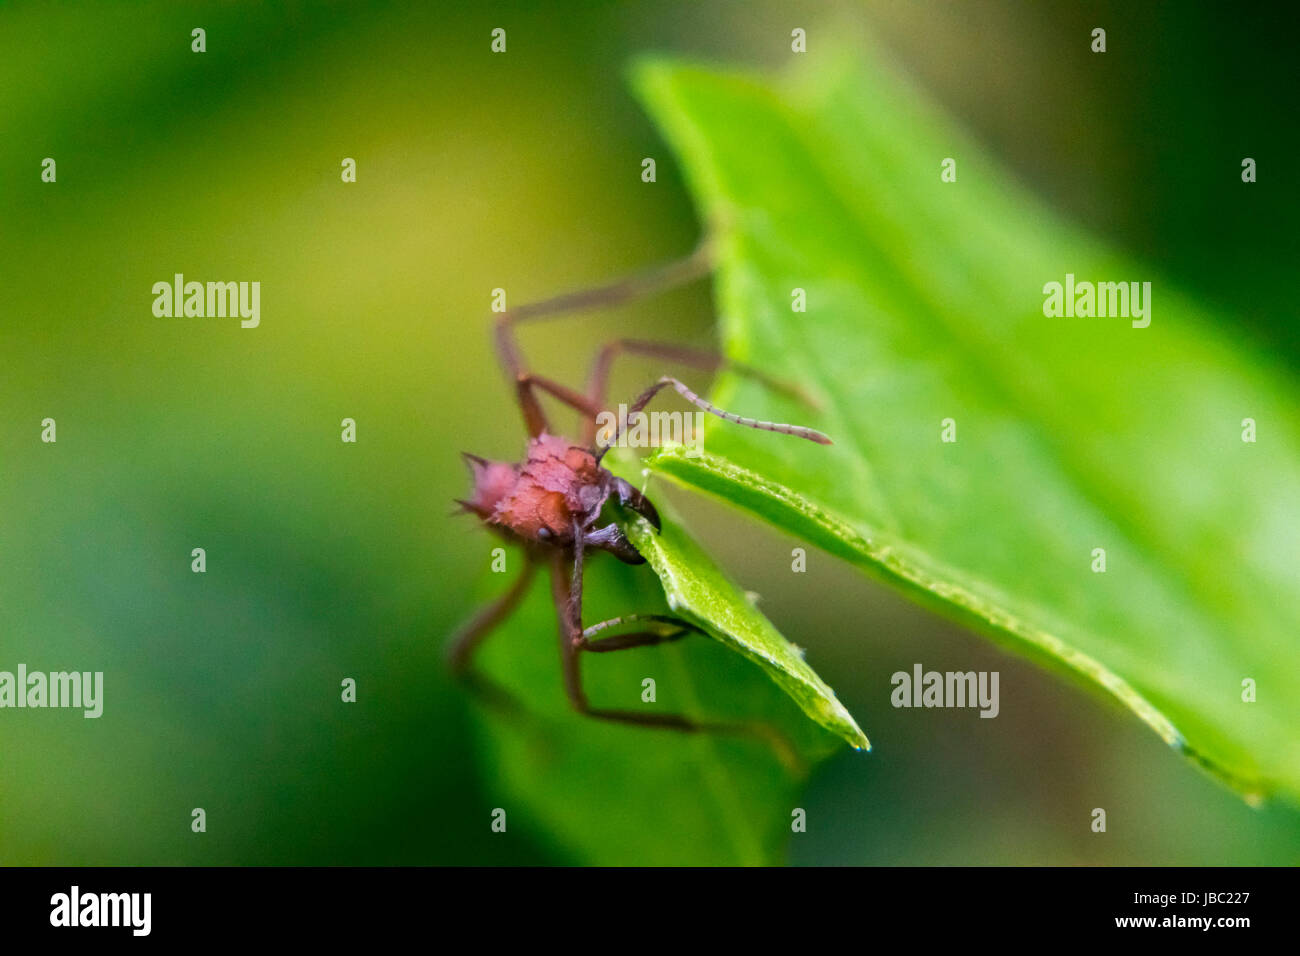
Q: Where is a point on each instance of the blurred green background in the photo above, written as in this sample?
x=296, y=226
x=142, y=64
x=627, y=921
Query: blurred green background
x=328, y=560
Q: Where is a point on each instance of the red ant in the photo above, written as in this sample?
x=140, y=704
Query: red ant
x=551, y=502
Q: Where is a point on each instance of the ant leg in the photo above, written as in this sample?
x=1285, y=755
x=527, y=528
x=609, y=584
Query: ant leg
x=567, y=594
x=799, y=431
x=466, y=640
x=694, y=266
x=703, y=359
x=627, y=289
x=534, y=417
x=533, y=414
x=621, y=642
x=469, y=636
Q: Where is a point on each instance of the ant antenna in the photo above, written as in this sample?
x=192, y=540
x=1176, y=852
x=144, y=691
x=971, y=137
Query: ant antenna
x=798, y=431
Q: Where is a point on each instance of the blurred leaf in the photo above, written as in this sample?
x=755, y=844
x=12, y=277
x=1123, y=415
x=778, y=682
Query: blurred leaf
x=925, y=304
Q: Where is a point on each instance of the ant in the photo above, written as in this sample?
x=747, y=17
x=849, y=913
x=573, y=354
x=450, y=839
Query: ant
x=551, y=502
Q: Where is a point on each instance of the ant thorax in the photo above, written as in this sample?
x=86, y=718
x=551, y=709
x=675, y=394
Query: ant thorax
x=555, y=495
x=557, y=485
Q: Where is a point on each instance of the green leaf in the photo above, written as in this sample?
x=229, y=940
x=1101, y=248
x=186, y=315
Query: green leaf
x=896, y=562
x=698, y=591
x=925, y=303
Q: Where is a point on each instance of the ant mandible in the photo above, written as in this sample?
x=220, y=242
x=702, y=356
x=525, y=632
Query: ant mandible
x=551, y=502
